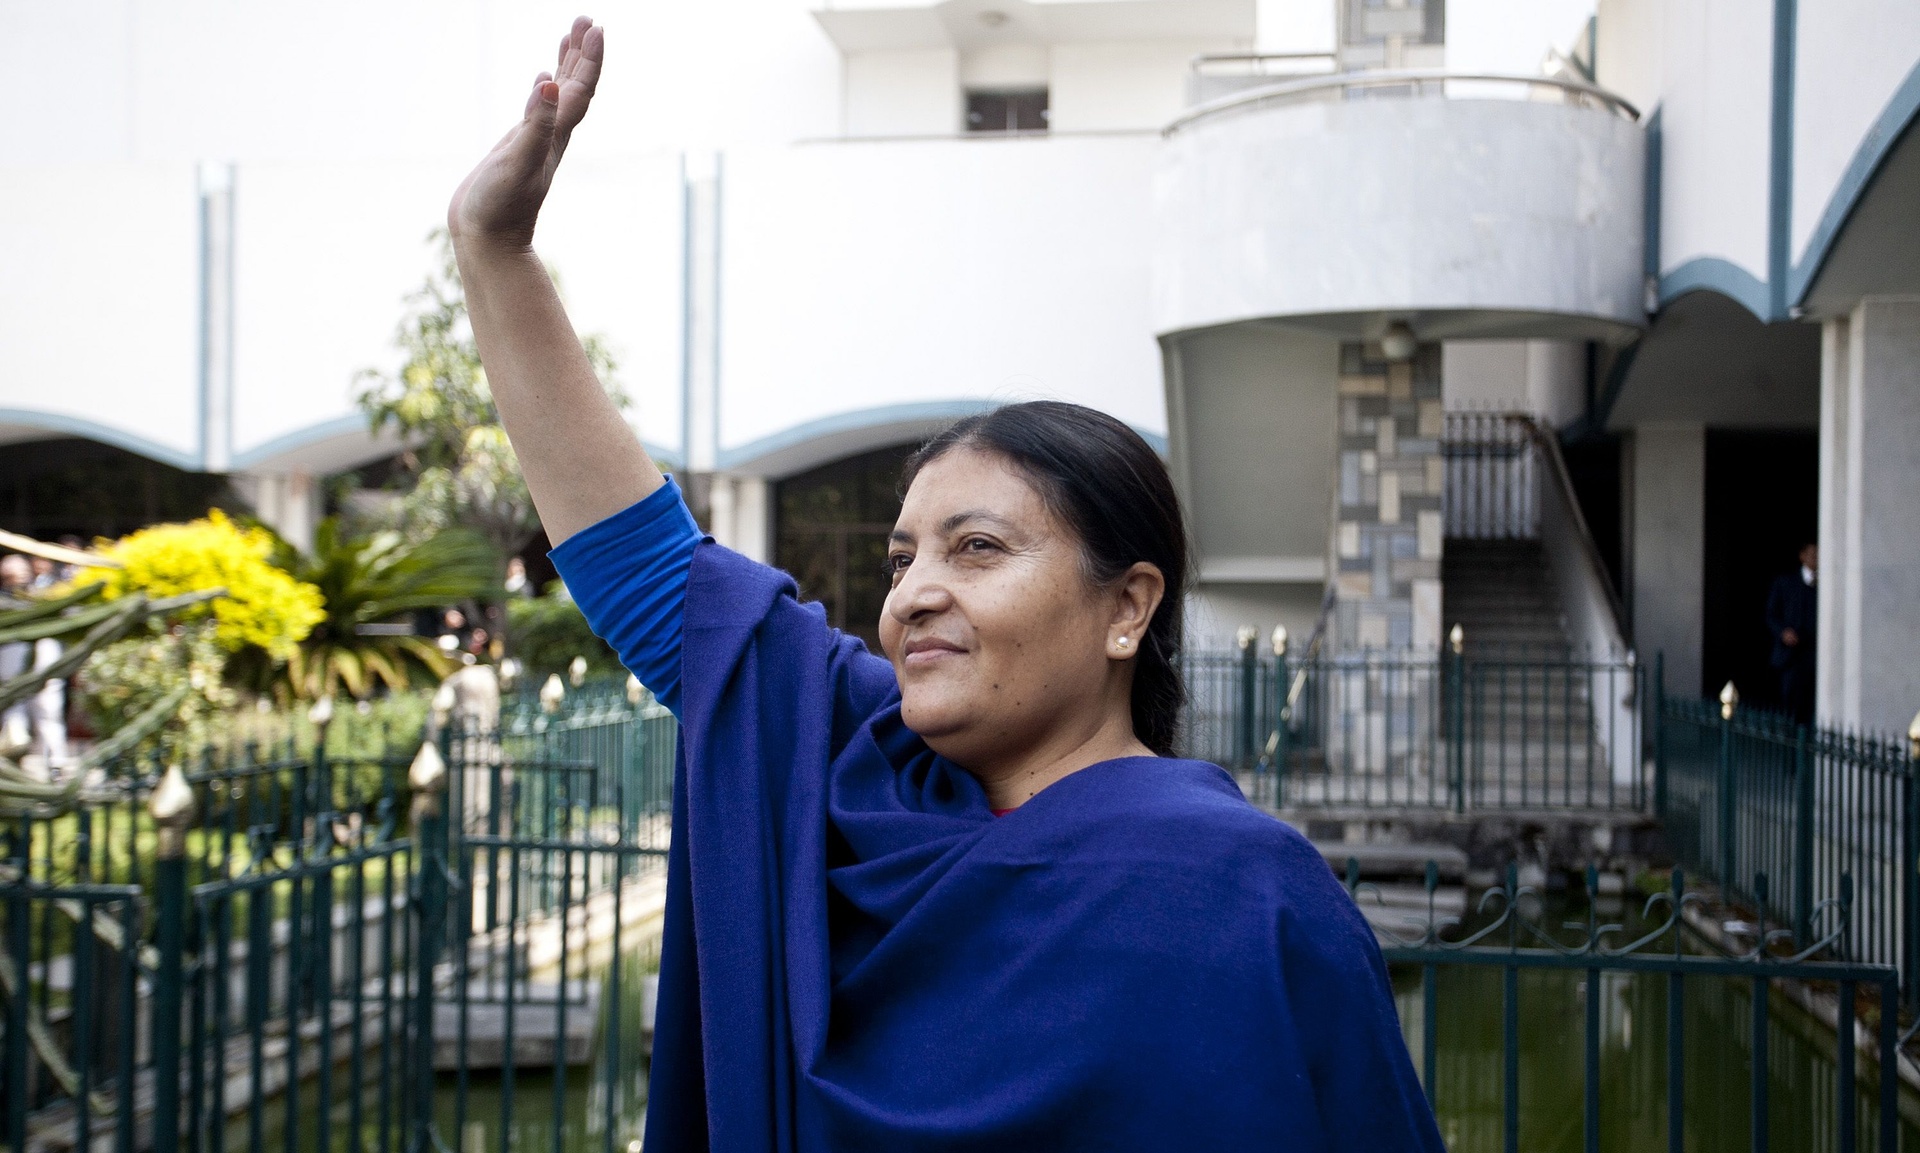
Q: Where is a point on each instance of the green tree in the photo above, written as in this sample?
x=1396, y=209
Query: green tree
x=460, y=468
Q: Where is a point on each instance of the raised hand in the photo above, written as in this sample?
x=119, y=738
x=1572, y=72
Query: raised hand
x=500, y=199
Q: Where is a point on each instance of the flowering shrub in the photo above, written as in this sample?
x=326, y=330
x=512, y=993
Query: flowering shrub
x=264, y=606
x=125, y=678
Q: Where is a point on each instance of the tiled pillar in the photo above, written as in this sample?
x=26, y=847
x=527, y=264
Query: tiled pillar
x=1387, y=524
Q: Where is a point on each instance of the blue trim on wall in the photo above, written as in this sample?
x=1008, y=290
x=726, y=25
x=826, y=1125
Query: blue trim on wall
x=60, y=424
x=1650, y=209
x=1712, y=274
x=1874, y=148
x=297, y=439
x=1780, y=159
x=343, y=425
x=876, y=417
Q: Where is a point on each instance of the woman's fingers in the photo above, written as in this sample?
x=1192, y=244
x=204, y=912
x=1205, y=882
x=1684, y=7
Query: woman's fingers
x=502, y=196
x=533, y=98
x=579, y=75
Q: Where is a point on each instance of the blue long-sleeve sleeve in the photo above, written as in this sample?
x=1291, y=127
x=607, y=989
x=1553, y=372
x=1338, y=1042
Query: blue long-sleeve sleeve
x=628, y=574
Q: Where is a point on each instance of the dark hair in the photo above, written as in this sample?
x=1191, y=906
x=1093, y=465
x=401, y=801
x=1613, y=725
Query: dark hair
x=1108, y=485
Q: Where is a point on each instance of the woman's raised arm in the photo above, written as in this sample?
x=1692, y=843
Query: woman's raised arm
x=581, y=460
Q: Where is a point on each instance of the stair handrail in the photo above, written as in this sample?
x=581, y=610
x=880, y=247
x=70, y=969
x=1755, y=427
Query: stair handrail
x=1327, y=602
x=1548, y=446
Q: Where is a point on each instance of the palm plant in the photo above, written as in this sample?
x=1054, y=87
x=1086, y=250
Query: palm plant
x=370, y=581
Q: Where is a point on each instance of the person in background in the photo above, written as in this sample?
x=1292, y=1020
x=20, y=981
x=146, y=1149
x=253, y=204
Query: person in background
x=16, y=723
x=1792, y=608
x=43, y=717
x=70, y=571
x=517, y=584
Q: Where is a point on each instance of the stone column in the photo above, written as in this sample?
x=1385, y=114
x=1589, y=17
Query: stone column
x=1868, y=661
x=1387, y=527
x=1668, y=538
x=288, y=503
x=741, y=516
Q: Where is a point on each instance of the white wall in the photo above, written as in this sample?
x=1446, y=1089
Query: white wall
x=99, y=304
x=1256, y=447
x=1502, y=36
x=1707, y=66
x=221, y=79
x=348, y=127
x=611, y=232
x=1138, y=84
x=1295, y=26
x=864, y=275
x=906, y=92
x=1544, y=377
x=1849, y=57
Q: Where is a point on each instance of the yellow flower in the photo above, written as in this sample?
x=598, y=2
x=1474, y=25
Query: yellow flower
x=264, y=605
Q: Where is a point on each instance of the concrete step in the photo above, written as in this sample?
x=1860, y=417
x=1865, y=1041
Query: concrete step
x=1386, y=860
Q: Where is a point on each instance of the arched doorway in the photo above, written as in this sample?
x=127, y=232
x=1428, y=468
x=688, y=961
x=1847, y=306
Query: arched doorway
x=830, y=532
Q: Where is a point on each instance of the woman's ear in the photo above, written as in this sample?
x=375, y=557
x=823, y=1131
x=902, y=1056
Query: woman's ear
x=1137, y=594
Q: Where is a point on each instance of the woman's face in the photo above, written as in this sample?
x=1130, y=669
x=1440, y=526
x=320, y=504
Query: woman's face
x=996, y=635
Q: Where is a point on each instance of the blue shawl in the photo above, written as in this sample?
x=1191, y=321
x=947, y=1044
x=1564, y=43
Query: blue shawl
x=858, y=955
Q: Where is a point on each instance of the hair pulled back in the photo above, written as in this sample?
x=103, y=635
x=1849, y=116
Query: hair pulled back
x=1108, y=485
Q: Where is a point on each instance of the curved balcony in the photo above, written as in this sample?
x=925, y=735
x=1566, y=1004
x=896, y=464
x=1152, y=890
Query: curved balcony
x=1468, y=205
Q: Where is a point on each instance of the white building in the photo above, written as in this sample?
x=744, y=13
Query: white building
x=1677, y=231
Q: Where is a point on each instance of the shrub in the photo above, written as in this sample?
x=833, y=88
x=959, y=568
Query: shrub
x=547, y=632
x=264, y=607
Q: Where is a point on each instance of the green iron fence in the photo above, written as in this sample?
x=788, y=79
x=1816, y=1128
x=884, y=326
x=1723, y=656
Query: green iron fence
x=1742, y=791
x=1491, y=728
x=1510, y=935
x=283, y=949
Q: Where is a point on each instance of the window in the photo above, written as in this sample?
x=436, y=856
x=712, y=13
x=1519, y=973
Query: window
x=1417, y=21
x=830, y=532
x=1007, y=110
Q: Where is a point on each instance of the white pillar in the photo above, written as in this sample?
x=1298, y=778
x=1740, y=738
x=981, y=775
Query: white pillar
x=287, y=502
x=1868, y=665
x=1668, y=510
x=741, y=520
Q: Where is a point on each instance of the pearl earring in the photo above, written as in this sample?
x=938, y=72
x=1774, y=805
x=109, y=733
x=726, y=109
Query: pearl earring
x=1123, y=642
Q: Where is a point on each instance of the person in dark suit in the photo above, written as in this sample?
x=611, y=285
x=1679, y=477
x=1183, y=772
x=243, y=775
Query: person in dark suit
x=1791, y=612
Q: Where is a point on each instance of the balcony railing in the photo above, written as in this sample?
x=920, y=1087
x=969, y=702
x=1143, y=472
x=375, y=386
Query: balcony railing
x=1411, y=82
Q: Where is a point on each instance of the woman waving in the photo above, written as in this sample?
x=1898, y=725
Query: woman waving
x=960, y=896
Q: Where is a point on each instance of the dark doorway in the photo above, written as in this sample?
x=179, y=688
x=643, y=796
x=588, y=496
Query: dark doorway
x=830, y=532
x=1762, y=504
